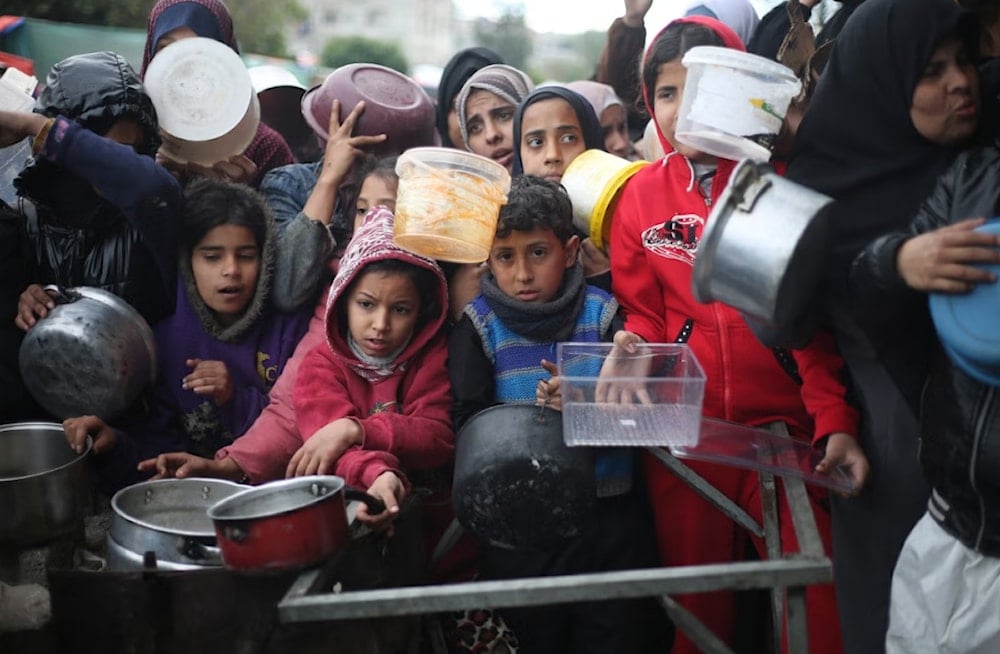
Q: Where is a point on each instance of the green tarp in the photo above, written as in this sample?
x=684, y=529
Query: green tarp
x=46, y=42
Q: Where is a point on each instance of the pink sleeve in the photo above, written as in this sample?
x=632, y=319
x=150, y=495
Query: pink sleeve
x=360, y=468
x=321, y=393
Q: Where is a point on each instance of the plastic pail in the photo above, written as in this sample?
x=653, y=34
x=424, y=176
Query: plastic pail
x=593, y=181
x=734, y=102
x=448, y=203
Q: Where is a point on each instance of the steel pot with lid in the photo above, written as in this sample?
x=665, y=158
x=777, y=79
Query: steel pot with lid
x=92, y=354
x=764, y=250
x=44, y=487
x=169, y=518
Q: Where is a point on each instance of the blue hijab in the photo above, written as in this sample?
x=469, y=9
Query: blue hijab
x=593, y=136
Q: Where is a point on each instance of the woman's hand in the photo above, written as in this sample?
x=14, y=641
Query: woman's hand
x=389, y=488
x=942, y=260
x=843, y=456
x=319, y=454
x=185, y=464
x=77, y=429
x=33, y=305
x=209, y=378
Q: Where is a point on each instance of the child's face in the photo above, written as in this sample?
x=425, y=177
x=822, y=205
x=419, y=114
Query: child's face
x=226, y=264
x=490, y=122
x=529, y=266
x=551, y=137
x=667, y=103
x=375, y=190
x=382, y=312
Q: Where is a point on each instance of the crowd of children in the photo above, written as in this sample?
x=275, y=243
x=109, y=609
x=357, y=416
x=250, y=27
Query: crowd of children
x=295, y=337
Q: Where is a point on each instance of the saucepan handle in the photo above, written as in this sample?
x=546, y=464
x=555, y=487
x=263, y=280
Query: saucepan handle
x=61, y=295
x=375, y=505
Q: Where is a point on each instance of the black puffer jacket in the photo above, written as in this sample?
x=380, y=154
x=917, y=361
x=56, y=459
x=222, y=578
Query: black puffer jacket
x=960, y=416
x=98, y=213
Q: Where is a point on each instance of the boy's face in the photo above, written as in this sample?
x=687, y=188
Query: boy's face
x=529, y=266
x=551, y=137
x=225, y=265
x=382, y=312
x=667, y=95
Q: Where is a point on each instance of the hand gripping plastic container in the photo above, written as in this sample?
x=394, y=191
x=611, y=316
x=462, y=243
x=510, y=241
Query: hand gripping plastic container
x=448, y=203
x=593, y=180
x=734, y=102
x=614, y=398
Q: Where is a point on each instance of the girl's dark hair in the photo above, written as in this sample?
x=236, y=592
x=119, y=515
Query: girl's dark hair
x=426, y=282
x=536, y=203
x=671, y=44
x=209, y=203
x=369, y=164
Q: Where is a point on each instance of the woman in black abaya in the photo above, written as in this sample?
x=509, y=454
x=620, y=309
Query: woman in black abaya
x=859, y=144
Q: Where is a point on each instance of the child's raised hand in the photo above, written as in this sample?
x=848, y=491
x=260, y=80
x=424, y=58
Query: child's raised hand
x=319, y=454
x=549, y=391
x=343, y=148
x=77, y=429
x=209, y=378
x=389, y=488
x=15, y=126
x=843, y=455
x=32, y=305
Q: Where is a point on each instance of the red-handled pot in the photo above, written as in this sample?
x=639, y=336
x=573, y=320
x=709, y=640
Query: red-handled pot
x=291, y=523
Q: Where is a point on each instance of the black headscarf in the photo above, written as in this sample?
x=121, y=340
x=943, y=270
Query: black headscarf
x=593, y=136
x=456, y=73
x=857, y=142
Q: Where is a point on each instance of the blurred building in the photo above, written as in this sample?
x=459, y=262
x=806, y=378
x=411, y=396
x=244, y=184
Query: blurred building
x=425, y=30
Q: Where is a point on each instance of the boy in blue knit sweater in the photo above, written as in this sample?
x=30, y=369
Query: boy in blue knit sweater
x=533, y=297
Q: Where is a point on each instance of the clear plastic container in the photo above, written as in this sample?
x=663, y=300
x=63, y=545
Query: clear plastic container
x=15, y=95
x=611, y=397
x=448, y=203
x=734, y=102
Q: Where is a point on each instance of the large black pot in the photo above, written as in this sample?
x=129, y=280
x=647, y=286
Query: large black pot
x=517, y=484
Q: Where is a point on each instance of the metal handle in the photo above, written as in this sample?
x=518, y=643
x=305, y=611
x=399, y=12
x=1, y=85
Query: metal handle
x=375, y=505
x=200, y=552
x=61, y=295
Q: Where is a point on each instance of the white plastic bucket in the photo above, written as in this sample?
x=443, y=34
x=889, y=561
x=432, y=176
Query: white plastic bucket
x=734, y=102
x=448, y=203
x=593, y=180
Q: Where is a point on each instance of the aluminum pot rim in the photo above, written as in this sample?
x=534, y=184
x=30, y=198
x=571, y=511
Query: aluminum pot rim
x=119, y=512
x=46, y=426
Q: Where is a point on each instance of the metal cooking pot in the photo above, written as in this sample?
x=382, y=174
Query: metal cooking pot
x=168, y=517
x=764, y=248
x=44, y=487
x=290, y=523
x=92, y=354
x=517, y=484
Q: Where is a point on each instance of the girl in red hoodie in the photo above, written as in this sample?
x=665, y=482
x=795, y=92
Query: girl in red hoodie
x=657, y=226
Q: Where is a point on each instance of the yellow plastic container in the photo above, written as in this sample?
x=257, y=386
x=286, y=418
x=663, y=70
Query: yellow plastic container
x=593, y=181
x=448, y=203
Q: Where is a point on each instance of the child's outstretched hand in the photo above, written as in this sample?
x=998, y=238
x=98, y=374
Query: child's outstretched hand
x=77, y=429
x=624, y=361
x=319, y=454
x=549, y=391
x=389, y=488
x=209, y=378
x=185, y=464
x=843, y=455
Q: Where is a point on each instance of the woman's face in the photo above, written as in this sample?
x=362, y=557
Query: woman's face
x=551, y=137
x=667, y=94
x=173, y=36
x=490, y=123
x=614, y=125
x=945, y=106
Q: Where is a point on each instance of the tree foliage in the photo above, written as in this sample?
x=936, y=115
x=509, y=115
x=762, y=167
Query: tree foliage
x=340, y=51
x=260, y=24
x=509, y=36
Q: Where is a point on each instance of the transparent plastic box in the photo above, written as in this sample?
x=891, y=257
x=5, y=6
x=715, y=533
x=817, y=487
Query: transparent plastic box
x=613, y=398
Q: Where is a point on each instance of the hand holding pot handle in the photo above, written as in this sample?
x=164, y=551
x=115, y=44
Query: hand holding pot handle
x=79, y=429
x=34, y=304
x=374, y=504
